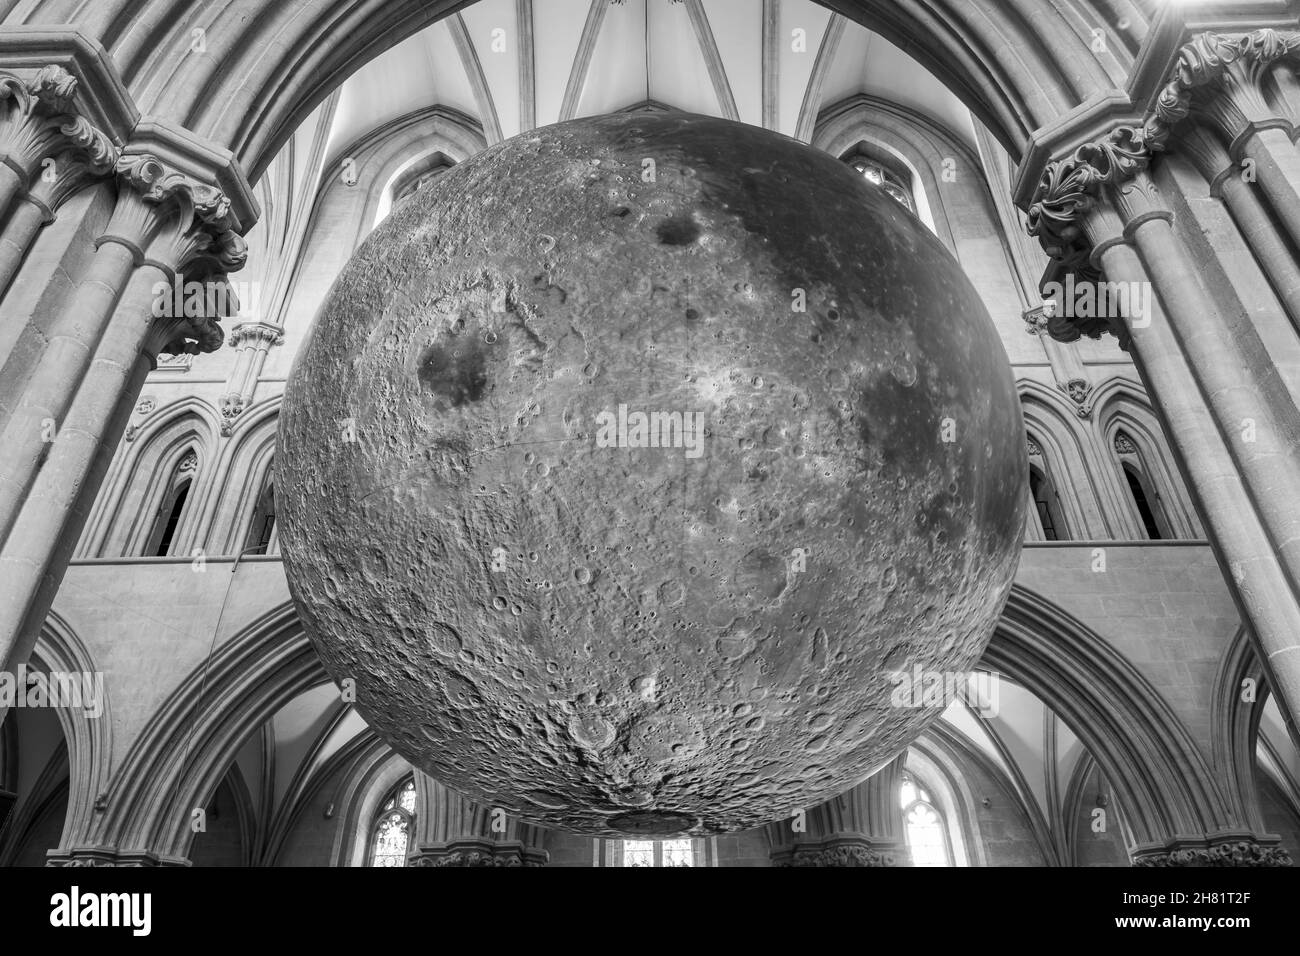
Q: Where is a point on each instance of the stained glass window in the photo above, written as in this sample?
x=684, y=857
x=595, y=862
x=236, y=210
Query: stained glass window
x=638, y=853
x=926, y=837
x=886, y=179
x=394, y=825
x=658, y=853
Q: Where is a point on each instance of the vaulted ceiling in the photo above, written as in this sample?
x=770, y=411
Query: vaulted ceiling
x=512, y=72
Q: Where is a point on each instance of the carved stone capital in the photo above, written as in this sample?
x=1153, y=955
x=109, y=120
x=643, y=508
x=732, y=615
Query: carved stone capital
x=844, y=853
x=109, y=856
x=478, y=853
x=255, y=333
x=1208, y=69
x=201, y=227
x=1236, y=852
x=43, y=138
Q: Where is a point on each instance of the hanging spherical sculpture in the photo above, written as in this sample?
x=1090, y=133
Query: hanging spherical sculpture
x=633, y=466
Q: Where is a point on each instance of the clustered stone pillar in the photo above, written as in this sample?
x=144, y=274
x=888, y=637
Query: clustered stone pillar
x=1219, y=376
x=77, y=342
x=452, y=830
x=863, y=827
x=251, y=342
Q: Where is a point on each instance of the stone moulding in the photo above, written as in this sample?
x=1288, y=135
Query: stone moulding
x=40, y=119
x=109, y=856
x=1069, y=187
x=1237, y=853
x=479, y=853
x=854, y=854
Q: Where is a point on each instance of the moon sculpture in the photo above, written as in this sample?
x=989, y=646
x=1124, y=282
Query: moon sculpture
x=633, y=466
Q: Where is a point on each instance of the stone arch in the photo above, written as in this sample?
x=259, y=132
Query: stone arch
x=382, y=154
x=39, y=809
x=125, y=507
x=1016, y=65
x=913, y=140
x=375, y=769
x=342, y=215
x=1049, y=422
x=1162, y=781
x=89, y=737
x=240, y=470
x=933, y=757
x=1121, y=405
x=1234, y=725
x=195, y=735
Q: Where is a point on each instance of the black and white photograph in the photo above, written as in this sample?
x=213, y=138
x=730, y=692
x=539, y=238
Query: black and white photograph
x=695, y=434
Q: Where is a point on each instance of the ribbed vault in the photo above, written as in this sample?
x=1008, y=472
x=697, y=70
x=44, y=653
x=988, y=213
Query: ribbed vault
x=1018, y=64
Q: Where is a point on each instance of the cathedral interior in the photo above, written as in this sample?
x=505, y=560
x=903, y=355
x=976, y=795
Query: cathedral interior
x=162, y=702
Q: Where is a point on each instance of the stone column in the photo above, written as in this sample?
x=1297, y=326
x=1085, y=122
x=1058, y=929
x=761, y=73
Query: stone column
x=251, y=341
x=1226, y=407
x=454, y=831
x=50, y=151
x=863, y=827
x=178, y=207
x=163, y=225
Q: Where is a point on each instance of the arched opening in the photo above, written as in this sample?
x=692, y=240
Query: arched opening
x=885, y=175
x=393, y=828
x=410, y=179
x=1047, y=504
x=261, y=530
x=1145, y=498
x=927, y=835
x=658, y=853
x=1136, y=489
x=171, y=508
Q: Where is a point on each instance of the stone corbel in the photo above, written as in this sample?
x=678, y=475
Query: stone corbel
x=1071, y=377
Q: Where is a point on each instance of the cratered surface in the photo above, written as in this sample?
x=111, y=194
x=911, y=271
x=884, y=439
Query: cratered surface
x=547, y=613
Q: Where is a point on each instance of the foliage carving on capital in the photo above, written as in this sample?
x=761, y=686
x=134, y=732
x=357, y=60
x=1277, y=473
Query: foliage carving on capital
x=1069, y=188
x=852, y=855
x=1068, y=185
x=1239, y=853
x=45, y=123
x=214, y=236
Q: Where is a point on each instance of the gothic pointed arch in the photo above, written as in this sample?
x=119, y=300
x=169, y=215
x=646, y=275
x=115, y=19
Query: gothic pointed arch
x=145, y=472
x=1121, y=408
x=1055, y=432
x=1164, y=783
x=939, y=757
x=1016, y=72
x=176, y=764
x=243, y=469
x=87, y=730
x=1240, y=690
